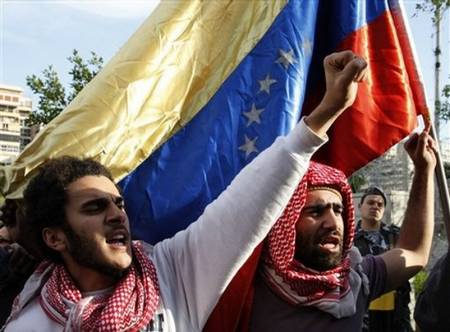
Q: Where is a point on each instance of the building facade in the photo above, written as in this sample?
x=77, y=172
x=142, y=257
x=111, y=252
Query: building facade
x=392, y=171
x=15, y=109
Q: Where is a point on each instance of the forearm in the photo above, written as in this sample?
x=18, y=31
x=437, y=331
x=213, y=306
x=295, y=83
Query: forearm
x=417, y=229
x=210, y=251
x=414, y=243
x=323, y=117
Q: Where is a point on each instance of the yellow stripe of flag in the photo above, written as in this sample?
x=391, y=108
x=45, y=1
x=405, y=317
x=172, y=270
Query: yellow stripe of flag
x=157, y=82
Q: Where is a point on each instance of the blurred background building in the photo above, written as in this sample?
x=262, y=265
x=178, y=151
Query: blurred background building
x=14, y=132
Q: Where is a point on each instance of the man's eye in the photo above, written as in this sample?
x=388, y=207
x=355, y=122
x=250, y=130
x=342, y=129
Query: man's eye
x=95, y=207
x=92, y=208
x=316, y=212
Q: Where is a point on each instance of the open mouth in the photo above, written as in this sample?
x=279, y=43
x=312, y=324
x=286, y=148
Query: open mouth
x=329, y=243
x=118, y=238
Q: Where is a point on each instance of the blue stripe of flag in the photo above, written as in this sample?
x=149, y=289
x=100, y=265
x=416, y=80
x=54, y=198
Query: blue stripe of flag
x=170, y=190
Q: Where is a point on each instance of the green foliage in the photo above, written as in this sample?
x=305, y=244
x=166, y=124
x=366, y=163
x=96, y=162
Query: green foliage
x=356, y=181
x=419, y=282
x=83, y=72
x=447, y=170
x=444, y=110
x=52, y=95
x=437, y=8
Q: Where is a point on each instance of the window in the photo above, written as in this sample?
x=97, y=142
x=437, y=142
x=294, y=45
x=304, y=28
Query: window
x=9, y=148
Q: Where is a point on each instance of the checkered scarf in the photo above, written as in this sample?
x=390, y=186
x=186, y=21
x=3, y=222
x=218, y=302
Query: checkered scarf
x=290, y=279
x=130, y=307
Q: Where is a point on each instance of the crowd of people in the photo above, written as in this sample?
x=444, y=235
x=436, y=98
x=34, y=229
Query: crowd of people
x=69, y=262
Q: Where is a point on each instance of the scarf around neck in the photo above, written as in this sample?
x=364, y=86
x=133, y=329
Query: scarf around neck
x=129, y=306
x=290, y=279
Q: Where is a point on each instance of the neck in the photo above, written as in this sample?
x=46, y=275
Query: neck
x=88, y=279
x=370, y=225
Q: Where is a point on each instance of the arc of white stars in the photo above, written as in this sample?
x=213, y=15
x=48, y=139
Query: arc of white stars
x=286, y=58
x=249, y=146
x=265, y=84
x=253, y=115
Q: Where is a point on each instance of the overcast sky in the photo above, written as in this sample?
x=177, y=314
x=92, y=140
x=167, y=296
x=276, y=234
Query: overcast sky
x=34, y=34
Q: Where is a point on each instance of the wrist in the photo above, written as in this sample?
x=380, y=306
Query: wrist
x=329, y=106
x=322, y=118
x=423, y=169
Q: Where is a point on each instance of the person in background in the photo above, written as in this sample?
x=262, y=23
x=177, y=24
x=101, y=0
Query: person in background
x=5, y=238
x=432, y=310
x=390, y=312
x=16, y=263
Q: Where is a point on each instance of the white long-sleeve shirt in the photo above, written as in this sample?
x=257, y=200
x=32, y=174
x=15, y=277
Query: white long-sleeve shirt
x=195, y=266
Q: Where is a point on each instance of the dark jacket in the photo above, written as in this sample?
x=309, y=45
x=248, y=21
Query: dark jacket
x=397, y=320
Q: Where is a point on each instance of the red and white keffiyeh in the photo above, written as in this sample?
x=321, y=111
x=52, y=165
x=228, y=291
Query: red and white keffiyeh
x=130, y=306
x=289, y=278
x=335, y=291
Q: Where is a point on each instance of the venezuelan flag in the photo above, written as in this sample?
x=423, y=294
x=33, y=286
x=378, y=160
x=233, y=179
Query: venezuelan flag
x=203, y=86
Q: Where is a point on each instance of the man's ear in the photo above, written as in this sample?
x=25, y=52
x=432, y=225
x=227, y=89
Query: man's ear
x=54, y=238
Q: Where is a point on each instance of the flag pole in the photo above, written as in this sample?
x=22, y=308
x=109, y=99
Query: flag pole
x=442, y=185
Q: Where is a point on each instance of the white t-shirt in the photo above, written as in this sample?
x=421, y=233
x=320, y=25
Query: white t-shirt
x=195, y=266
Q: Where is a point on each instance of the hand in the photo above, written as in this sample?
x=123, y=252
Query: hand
x=343, y=72
x=422, y=150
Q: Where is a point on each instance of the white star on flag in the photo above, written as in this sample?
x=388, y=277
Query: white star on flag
x=249, y=146
x=265, y=84
x=286, y=58
x=253, y=115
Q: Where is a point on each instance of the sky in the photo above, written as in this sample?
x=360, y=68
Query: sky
x=35, y=34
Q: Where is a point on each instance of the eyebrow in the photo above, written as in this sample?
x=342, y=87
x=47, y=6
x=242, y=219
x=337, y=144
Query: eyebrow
x=376, y=200
x=103, y=200
x=322, y=206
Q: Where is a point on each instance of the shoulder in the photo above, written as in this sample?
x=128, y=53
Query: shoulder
x=371, y=262
x=27, y=318
x=374, y=268
x=146, y=247
x=390, y=229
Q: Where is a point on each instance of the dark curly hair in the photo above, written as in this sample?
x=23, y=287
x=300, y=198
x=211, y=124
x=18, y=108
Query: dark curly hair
x=45, y=196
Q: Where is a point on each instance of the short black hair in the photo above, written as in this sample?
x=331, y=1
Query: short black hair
x=45, y=196
x=8, y=212
x=373, y=190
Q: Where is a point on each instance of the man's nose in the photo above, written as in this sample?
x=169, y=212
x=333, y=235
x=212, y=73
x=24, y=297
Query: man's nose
x=330, y=220
x=116, y=215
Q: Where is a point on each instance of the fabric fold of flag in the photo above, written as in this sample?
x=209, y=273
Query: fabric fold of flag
x=384, y=112
x=204, y=86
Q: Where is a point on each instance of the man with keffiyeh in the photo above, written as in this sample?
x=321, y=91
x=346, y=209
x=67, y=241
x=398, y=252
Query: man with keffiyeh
x=96, y=279
x=310, y=277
